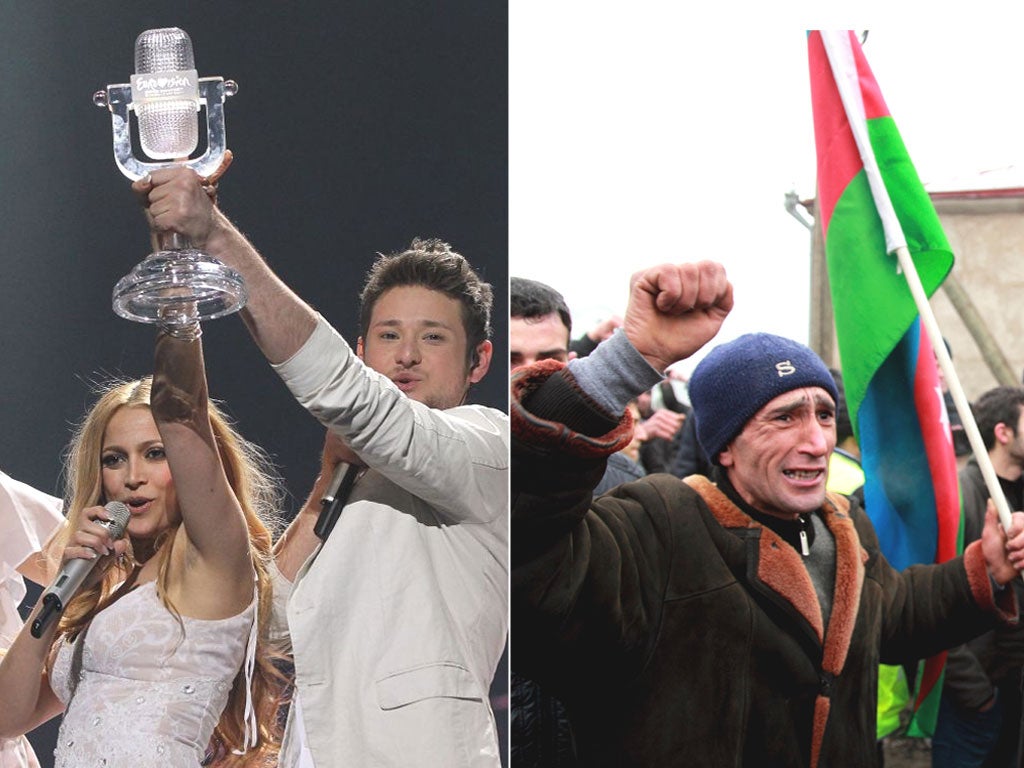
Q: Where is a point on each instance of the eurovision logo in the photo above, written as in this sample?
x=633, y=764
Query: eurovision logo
x=160, y=86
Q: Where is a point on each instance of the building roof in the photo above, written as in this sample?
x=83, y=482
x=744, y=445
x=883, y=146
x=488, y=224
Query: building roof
x=990, y=184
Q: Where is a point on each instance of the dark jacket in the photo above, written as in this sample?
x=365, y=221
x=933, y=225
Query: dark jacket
x=678, y=631
x=540, y=729
x=689, y=458
x=975, y=669
x=621, y=469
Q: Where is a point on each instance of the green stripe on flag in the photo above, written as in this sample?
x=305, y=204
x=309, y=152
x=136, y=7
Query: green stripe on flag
x=922, y=724
x=879, y=308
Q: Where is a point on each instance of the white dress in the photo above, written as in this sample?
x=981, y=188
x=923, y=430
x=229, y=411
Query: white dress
x=148, y=694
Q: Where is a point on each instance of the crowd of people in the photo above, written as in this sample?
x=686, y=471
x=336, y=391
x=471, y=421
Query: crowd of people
x=688, y=565
x=734, y=584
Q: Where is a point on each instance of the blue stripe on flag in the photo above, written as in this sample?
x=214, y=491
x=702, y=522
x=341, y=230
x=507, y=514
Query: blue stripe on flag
x=898, y=493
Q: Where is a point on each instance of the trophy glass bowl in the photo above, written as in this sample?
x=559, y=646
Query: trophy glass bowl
x=177, y=285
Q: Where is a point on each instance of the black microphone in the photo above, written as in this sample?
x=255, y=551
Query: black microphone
x=73, y=573
x=336, y=497
x=165, y=93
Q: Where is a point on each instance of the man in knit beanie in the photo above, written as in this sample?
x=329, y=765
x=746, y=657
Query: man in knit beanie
x=733, y=620
x=735, y=379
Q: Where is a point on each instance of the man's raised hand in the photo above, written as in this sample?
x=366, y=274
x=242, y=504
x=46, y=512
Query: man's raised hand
x=675, y=309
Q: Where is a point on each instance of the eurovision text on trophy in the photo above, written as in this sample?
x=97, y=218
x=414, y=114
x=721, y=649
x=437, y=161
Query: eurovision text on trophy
x=177, y=286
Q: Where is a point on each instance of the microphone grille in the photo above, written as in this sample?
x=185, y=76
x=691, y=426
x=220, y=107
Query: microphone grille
x=119, y=515
x=168, y=49
x=168, y=129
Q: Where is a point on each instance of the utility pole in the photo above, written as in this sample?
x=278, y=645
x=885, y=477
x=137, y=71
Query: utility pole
x=821, y=334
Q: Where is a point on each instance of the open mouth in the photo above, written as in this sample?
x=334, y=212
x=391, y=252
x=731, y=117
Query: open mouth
x=138, y=505
x=803, y=474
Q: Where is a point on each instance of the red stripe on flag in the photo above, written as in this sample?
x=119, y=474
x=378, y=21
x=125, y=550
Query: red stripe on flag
x=836, y=148
x=874, y=104
x=938, y=446
x=931, y=672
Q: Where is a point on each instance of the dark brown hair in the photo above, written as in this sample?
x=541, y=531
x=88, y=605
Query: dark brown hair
x=433, y=264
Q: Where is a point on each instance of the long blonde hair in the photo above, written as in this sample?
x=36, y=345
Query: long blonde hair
x=253, y=480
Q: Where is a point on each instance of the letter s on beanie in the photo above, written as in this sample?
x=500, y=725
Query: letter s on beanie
x=736, y=379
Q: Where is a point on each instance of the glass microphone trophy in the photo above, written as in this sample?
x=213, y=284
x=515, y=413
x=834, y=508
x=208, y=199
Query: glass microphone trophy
x=177, y=286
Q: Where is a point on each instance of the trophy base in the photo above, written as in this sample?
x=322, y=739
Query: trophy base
x=179, y=288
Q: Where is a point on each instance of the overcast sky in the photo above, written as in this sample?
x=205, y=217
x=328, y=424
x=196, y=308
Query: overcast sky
x=648, y=135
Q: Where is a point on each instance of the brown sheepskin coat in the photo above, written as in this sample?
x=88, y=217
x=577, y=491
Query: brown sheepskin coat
x=680, y=632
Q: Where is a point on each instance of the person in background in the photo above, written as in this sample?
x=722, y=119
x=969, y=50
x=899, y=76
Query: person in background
x=540, y=328
x=601, y=331
x=28, y=520
x=657, y=431
x=980, y=710
x=689, y=458
x=845, y=474
x=540, y=325
x=961, y=444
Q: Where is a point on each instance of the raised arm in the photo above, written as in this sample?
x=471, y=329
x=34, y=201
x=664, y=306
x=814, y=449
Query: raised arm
x=279, y=321
x=591, y=573
x=675, y=309
x=211, y=515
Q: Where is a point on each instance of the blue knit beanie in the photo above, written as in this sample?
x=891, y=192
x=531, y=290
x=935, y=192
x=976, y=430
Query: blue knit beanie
x=737, y=379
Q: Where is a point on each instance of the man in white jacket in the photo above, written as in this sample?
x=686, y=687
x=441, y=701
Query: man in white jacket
x=398, y=619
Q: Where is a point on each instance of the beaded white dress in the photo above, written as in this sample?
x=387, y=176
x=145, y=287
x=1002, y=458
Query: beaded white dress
x=148, y=694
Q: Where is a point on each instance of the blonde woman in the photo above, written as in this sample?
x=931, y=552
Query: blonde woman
x=161, y=658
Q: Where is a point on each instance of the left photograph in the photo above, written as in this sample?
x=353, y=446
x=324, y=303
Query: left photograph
x=254, y=482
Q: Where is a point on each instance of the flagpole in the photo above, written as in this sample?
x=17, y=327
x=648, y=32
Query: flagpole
x=839, y=50
x=963, y=407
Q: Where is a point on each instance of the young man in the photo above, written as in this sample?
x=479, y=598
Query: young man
x=398, y=620
x=539, y=328
x=737, y=623
x=539, y=323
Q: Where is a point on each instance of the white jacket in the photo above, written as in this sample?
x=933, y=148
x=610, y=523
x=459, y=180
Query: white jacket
x=398, y=622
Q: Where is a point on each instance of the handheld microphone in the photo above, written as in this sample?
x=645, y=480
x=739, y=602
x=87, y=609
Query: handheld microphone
x=165, y=93
x=336, y=497
x=73, y=573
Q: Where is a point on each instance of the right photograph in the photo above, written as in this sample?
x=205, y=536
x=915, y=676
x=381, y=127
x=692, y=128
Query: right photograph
x=766, y=396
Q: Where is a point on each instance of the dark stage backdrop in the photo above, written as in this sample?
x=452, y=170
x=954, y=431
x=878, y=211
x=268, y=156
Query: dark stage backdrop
x=357, y=126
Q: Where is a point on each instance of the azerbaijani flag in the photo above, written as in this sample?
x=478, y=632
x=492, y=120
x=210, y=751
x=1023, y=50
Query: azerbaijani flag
x=871, y=202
